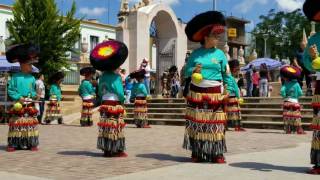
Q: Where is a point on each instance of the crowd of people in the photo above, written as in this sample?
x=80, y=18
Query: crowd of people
x=210, y=89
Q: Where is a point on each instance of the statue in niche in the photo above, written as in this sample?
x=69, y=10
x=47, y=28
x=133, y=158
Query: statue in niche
x=226, y=51
x=241, y=54
x=124, y=10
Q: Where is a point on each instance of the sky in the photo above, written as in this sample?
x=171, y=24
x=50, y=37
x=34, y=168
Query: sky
x=105, y=11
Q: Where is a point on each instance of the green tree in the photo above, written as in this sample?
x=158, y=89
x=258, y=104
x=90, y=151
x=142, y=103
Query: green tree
x=39, y=22
x=284, y=31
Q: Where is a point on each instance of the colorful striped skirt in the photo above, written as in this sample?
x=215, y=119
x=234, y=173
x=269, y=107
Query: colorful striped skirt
x=140, y=112
x=86, y=113
x=111, y=137
x=292, y=117
x=205, y=123
x=23, y=128
x=53, y=112
x=315, y=126
x=233, y=112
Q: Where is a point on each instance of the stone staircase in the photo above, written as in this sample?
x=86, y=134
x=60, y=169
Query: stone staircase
x=256, y=112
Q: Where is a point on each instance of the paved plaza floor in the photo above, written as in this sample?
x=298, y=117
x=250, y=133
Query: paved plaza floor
x=69, y=152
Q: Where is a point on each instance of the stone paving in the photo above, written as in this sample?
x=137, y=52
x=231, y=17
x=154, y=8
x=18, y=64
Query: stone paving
x=69, y=151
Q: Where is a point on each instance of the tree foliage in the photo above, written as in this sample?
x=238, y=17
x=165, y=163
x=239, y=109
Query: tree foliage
x=284, y=31
x=39, y=22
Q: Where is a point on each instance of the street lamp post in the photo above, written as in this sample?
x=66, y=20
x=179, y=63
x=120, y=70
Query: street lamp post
x=265, y=38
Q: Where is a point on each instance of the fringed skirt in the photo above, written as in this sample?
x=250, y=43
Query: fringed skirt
x=291, y=117
x=86, y=113
x=140, y=112
x=233, y=112
x=53, y=112
x=111, y=137
x=205, y=123
x=315, y=126
x=23, y=128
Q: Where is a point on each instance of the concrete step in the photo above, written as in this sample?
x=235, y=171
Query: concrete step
x=154, y=121
x=246, y=124
x=161, y=105
x=271, y=105
x=303, y=99
x=160, y=110
x=166, y=100
x=271, y=118
x=272, y=111
x=172, y=116
x=269, y=125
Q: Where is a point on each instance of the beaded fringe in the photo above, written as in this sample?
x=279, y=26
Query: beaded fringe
x=291, y=117
x=205, y=127
x=140, y=113
x=23, y=132
x=86, y=114
x=111, y=136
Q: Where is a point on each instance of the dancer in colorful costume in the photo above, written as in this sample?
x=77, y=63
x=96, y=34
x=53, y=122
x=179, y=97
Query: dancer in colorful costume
x=139, y=93
x=291, y=91
x=233, y=105
x=107, y=57
x=87, y=93
x=311, y=61
x=23, y=124
x=207, y=67
x=53, y=111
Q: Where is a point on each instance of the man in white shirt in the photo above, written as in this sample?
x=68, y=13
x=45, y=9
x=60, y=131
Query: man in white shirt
x=40, y=88
x=145, y=65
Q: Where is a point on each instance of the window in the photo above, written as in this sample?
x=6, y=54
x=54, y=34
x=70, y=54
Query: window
x=94, y=40
x=7, y=33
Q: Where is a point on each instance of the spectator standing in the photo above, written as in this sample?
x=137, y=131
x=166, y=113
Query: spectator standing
x=248, y=76
x=40, y=89
x=263, y=82
x=145, y=65
x=255, y=82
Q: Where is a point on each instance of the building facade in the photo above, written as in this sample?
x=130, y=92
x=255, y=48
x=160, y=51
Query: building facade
x=92, y=33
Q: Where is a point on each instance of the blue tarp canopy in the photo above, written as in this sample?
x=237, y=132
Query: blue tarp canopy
x=271, y=64
x=5, y=66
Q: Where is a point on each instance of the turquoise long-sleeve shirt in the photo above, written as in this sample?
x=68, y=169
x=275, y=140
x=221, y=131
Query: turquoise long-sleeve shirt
x=232, y=86
x=86, y=88
x=291, y=89
x=315, y=39
x=213, y=61
x=21, y=85
x=111, y=82
x=139, y=89
x=55, y=90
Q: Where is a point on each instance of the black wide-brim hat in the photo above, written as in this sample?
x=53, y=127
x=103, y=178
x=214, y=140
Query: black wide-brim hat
x=87, y=70
x=234, y=63
x=311, y=9
x=205, y=23
x=108, y=55
x=290, y=72
x=139, y=74
x=23, y=53
x=56, y=77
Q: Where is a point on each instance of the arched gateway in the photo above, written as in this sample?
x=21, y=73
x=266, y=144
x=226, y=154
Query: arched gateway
x=152, y=31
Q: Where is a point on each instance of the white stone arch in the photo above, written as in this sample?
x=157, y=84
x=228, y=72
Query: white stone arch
x=134, y=32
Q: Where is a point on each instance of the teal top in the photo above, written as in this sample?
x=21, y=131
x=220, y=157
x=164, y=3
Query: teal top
x=111, y=82
x=213, y=61
x=232, y=86
x=139, y=89
x=86, y=88
x=21, y=85
x=315, y=39
x=291, y=89
x=55, y=90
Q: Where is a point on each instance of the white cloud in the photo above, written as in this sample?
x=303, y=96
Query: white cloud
x=247, y=5
x=96, y=11
x=289, y=5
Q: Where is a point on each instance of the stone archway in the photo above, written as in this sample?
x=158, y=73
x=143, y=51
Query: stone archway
x=171, y=40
